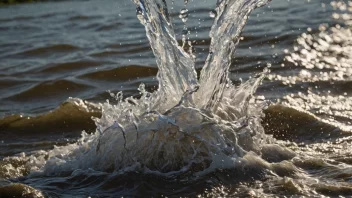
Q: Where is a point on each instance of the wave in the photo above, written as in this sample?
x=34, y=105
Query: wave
x=289, y=123
x=71, y=66
x=283, y=122
x=19, y=190
x=50, y=49
x=117, y=50
x=71, y=116
x=122, y=73
x=83, y=17
x=9, y=82
x=50, y=89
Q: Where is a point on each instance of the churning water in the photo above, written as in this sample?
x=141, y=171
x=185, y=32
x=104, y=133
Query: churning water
x=196, y=134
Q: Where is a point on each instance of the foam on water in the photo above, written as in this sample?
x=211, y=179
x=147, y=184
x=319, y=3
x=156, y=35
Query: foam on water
x=185, y=125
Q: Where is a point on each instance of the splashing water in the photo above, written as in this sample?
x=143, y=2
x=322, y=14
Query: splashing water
x=186, y=124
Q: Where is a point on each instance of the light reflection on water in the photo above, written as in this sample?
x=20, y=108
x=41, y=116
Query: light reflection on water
x=93, y=47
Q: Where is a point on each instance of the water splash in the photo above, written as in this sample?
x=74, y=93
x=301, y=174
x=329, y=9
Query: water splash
x=184, y=15
x=225, y=34
x=212, y=14
x=184, y=125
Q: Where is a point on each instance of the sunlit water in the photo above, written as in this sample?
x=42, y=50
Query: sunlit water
x=192, y=135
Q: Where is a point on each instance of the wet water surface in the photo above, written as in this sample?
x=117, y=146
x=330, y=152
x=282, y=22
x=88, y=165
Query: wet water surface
x=183, y=132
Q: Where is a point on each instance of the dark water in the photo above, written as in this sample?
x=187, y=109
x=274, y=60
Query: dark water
x=52, y=51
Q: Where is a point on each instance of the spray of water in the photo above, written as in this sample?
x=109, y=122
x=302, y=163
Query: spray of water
x=186, y=124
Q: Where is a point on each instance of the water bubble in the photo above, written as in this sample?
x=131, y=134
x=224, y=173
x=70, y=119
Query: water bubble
x=212, y=14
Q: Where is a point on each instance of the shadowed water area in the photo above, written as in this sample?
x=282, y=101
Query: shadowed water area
x=75, y=120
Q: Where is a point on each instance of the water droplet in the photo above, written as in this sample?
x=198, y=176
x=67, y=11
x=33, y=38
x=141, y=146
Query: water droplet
x=139, y=13
x=266, y=70
x=184, y=11
x=184, y=15
x=212, y=14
